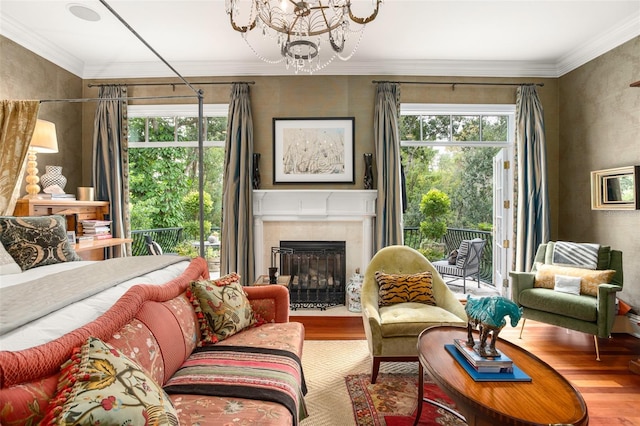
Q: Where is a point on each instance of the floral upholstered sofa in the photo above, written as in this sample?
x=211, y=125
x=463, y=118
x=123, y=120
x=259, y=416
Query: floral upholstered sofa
x=165, y=354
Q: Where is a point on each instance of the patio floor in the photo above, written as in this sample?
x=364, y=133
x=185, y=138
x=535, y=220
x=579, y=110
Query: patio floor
x=472, y=289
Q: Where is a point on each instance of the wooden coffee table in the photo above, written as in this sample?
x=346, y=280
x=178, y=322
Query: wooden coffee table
x=548, y=399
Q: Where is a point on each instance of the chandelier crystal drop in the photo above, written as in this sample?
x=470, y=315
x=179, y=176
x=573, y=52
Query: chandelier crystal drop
x=309, y=34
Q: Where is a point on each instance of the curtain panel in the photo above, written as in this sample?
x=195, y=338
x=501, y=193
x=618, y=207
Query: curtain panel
x=17, y=122
x=387, y=142
x=532, y=221
x=236, y=250
x=111, y=160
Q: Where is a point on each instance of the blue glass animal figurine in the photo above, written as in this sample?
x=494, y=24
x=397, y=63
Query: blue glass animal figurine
x=488, y=314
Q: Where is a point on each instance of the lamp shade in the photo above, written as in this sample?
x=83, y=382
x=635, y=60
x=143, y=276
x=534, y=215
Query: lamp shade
x=44, y=137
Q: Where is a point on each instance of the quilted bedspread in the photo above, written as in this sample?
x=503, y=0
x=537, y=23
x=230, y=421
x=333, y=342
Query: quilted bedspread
x=244, y=372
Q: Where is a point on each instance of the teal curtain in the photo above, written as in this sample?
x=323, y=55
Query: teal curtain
x=236, y=251
x=387, y=142
x=111, y=160
x=532, y=223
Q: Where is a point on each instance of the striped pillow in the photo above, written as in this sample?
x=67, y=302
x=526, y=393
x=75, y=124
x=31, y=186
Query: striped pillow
x=463, y=252
x=399, y=288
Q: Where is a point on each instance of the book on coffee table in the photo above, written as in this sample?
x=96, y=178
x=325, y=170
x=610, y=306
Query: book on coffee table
x=517, y=375
x=497, y=364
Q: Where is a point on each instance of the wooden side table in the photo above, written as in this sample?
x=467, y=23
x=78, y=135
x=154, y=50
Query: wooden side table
x=74, y=212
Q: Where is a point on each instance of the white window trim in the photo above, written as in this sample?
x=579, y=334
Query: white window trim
x=463, y=109
x=177, y=110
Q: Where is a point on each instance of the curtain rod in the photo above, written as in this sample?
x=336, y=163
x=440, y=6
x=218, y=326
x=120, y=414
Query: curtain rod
x=461, y=83
x=168, y=84
x=119, y=99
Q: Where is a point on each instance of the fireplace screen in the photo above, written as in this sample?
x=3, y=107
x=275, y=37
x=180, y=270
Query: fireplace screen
x=317, y=270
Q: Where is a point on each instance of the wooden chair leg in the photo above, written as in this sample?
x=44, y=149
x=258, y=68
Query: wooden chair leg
x=522, y=328
x=375, y=369
x=595, y=339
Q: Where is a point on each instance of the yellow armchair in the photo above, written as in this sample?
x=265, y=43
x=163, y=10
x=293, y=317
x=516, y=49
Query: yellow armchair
x=392, y=331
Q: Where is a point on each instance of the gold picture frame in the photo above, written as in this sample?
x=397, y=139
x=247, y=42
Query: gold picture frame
x=616, y=189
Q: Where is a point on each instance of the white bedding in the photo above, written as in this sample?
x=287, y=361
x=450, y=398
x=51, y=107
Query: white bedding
x=77, y=314
x=42, y=271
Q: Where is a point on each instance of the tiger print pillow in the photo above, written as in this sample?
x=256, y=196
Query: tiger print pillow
x=399, y=288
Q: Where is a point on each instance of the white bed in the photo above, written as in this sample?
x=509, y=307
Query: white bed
x=76, y=313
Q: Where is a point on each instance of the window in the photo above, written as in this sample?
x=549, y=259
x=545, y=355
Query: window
x=163, y=166
x=456, y=125
x=450, y=148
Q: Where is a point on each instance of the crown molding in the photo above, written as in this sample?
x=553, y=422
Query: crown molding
x=352, y=67
x=591, y=49
x=40, y=46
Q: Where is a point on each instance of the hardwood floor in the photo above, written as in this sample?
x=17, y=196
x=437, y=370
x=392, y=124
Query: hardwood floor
x=610, y=389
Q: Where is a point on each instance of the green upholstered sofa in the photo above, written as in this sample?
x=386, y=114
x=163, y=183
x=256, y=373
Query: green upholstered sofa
x=584, y=313
x=392, y=331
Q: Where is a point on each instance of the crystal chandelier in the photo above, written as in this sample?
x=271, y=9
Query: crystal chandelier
x=310, y=34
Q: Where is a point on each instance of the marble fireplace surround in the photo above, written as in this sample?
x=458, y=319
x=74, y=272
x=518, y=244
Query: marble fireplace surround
x=314, y=215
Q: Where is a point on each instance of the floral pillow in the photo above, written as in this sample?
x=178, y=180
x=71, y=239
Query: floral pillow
x=36, y=241
x=100, y=385
x=224, y=304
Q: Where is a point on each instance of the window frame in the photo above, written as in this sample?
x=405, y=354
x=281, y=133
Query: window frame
x=508, y=110
x=177, y=110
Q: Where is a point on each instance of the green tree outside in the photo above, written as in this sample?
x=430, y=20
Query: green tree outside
x=161, y=177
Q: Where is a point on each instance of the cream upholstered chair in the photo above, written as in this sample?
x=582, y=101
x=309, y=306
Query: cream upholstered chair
x=392, y=331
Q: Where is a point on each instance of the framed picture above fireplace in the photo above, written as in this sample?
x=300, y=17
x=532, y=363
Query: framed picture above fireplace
x=313, y=150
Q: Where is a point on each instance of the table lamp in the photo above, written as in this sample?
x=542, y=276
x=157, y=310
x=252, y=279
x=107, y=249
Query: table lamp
x=43, y=140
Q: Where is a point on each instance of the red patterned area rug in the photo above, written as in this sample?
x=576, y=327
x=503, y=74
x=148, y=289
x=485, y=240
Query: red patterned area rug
x=392, y=401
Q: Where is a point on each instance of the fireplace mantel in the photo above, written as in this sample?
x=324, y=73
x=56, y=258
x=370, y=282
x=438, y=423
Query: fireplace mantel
x=310, y=211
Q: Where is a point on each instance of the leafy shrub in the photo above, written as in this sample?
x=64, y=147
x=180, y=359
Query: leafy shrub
x=192, y=229
x=142, y=214
x=484, y=226
x=191, y=205
x=435, y=207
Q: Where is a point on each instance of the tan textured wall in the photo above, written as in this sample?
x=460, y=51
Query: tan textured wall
x=25, y=75
x=600, y=129
x=342, y=96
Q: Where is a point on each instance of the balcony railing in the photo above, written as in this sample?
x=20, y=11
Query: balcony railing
x=452, y=239
x=168, y=238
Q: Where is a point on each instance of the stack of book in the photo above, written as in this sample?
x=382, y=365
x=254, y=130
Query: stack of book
x=66, y=197
x=98, y=229
x=499, y=364
x=498, y=369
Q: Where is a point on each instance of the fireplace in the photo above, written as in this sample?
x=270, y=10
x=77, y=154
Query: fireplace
x=317, y=270
x=318, y=215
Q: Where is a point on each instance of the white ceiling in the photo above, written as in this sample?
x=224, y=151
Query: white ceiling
x=510, y=38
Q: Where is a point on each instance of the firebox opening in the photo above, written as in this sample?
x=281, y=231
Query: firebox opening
x=318, y=273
